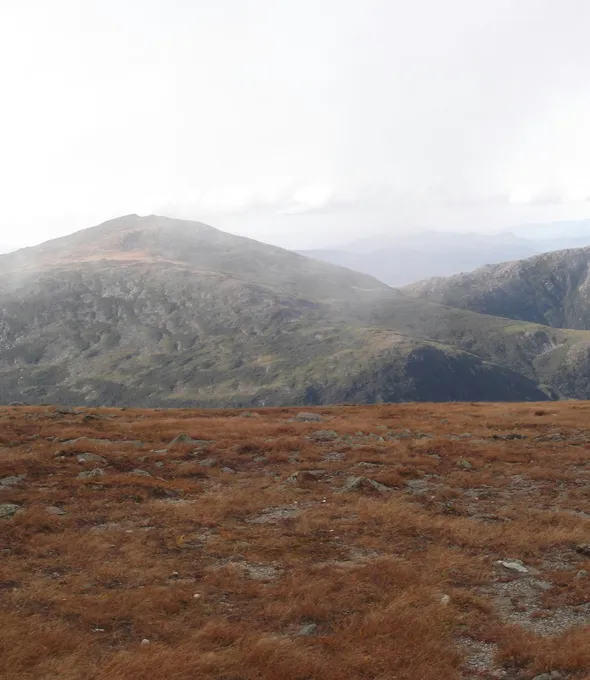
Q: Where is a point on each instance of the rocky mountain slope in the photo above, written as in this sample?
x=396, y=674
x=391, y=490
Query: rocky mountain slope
x=153, y=311
x=551, y=289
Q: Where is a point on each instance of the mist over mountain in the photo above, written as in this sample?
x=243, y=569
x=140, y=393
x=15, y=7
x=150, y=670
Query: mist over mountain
x=557, y=234
x=157, y=311
x=399, y=259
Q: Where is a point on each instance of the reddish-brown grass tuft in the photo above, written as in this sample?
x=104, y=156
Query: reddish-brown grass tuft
x=252, y=551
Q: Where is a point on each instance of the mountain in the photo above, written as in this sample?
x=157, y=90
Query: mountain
x=403, y=259
x=551, y=289
x=400, y=259
x=153, y=311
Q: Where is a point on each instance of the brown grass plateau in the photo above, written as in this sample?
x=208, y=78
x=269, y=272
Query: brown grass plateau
x=346, y=543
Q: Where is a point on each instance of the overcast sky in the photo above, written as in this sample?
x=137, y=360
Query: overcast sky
x=300, y=122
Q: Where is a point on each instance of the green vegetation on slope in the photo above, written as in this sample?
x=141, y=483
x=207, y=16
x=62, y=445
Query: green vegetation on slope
x=152, y=311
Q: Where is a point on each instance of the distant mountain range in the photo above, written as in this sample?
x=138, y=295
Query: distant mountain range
x=153, y=311
x=555, y=235
x=400, y=259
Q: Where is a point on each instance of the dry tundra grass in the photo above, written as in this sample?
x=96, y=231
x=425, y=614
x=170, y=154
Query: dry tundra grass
x=255, y=552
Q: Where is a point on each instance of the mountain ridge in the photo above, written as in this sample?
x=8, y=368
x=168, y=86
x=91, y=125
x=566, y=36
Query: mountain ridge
x=401, y=259
x=551, y=288
x=160, y=312
x=411, y=257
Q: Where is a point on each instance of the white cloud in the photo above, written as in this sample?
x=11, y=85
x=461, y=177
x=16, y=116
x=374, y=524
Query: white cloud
x=293, y=120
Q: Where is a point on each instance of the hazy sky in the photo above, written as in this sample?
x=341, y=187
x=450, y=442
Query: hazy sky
x=301, y=122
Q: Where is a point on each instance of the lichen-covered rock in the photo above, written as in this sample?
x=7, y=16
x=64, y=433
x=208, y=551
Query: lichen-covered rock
x=8, y=510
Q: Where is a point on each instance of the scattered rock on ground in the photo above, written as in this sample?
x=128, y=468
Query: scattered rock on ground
x=513, y=565
x=464, y=464
x=12, y=481
x=334, y=456
x=91, y=458
x=140, y=473
x=8, y=510
x=85, y=440
x=408, y=434
x=307, y=630
x=550, y=438
x=308, y=417
x=208, y=462
x=479, y=659
x=65, y=411
x=363, y=484
x=102, y=441
x=54, y=510
x=260, y=572
x=88, y=474
x=92, y=416
x=183, y=438
x=271, y=515
x=324, y=435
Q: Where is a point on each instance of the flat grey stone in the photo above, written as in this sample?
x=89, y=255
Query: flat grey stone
x=307, y=630
x=513, y=565
x=91, y=458
x=12, y=481
x=208, y=462
x=305, y=417
x=88, y=474
x=8, y=510
x=363, y=484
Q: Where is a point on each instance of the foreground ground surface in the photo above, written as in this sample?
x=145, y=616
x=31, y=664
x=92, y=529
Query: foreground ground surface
x=410, y=541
